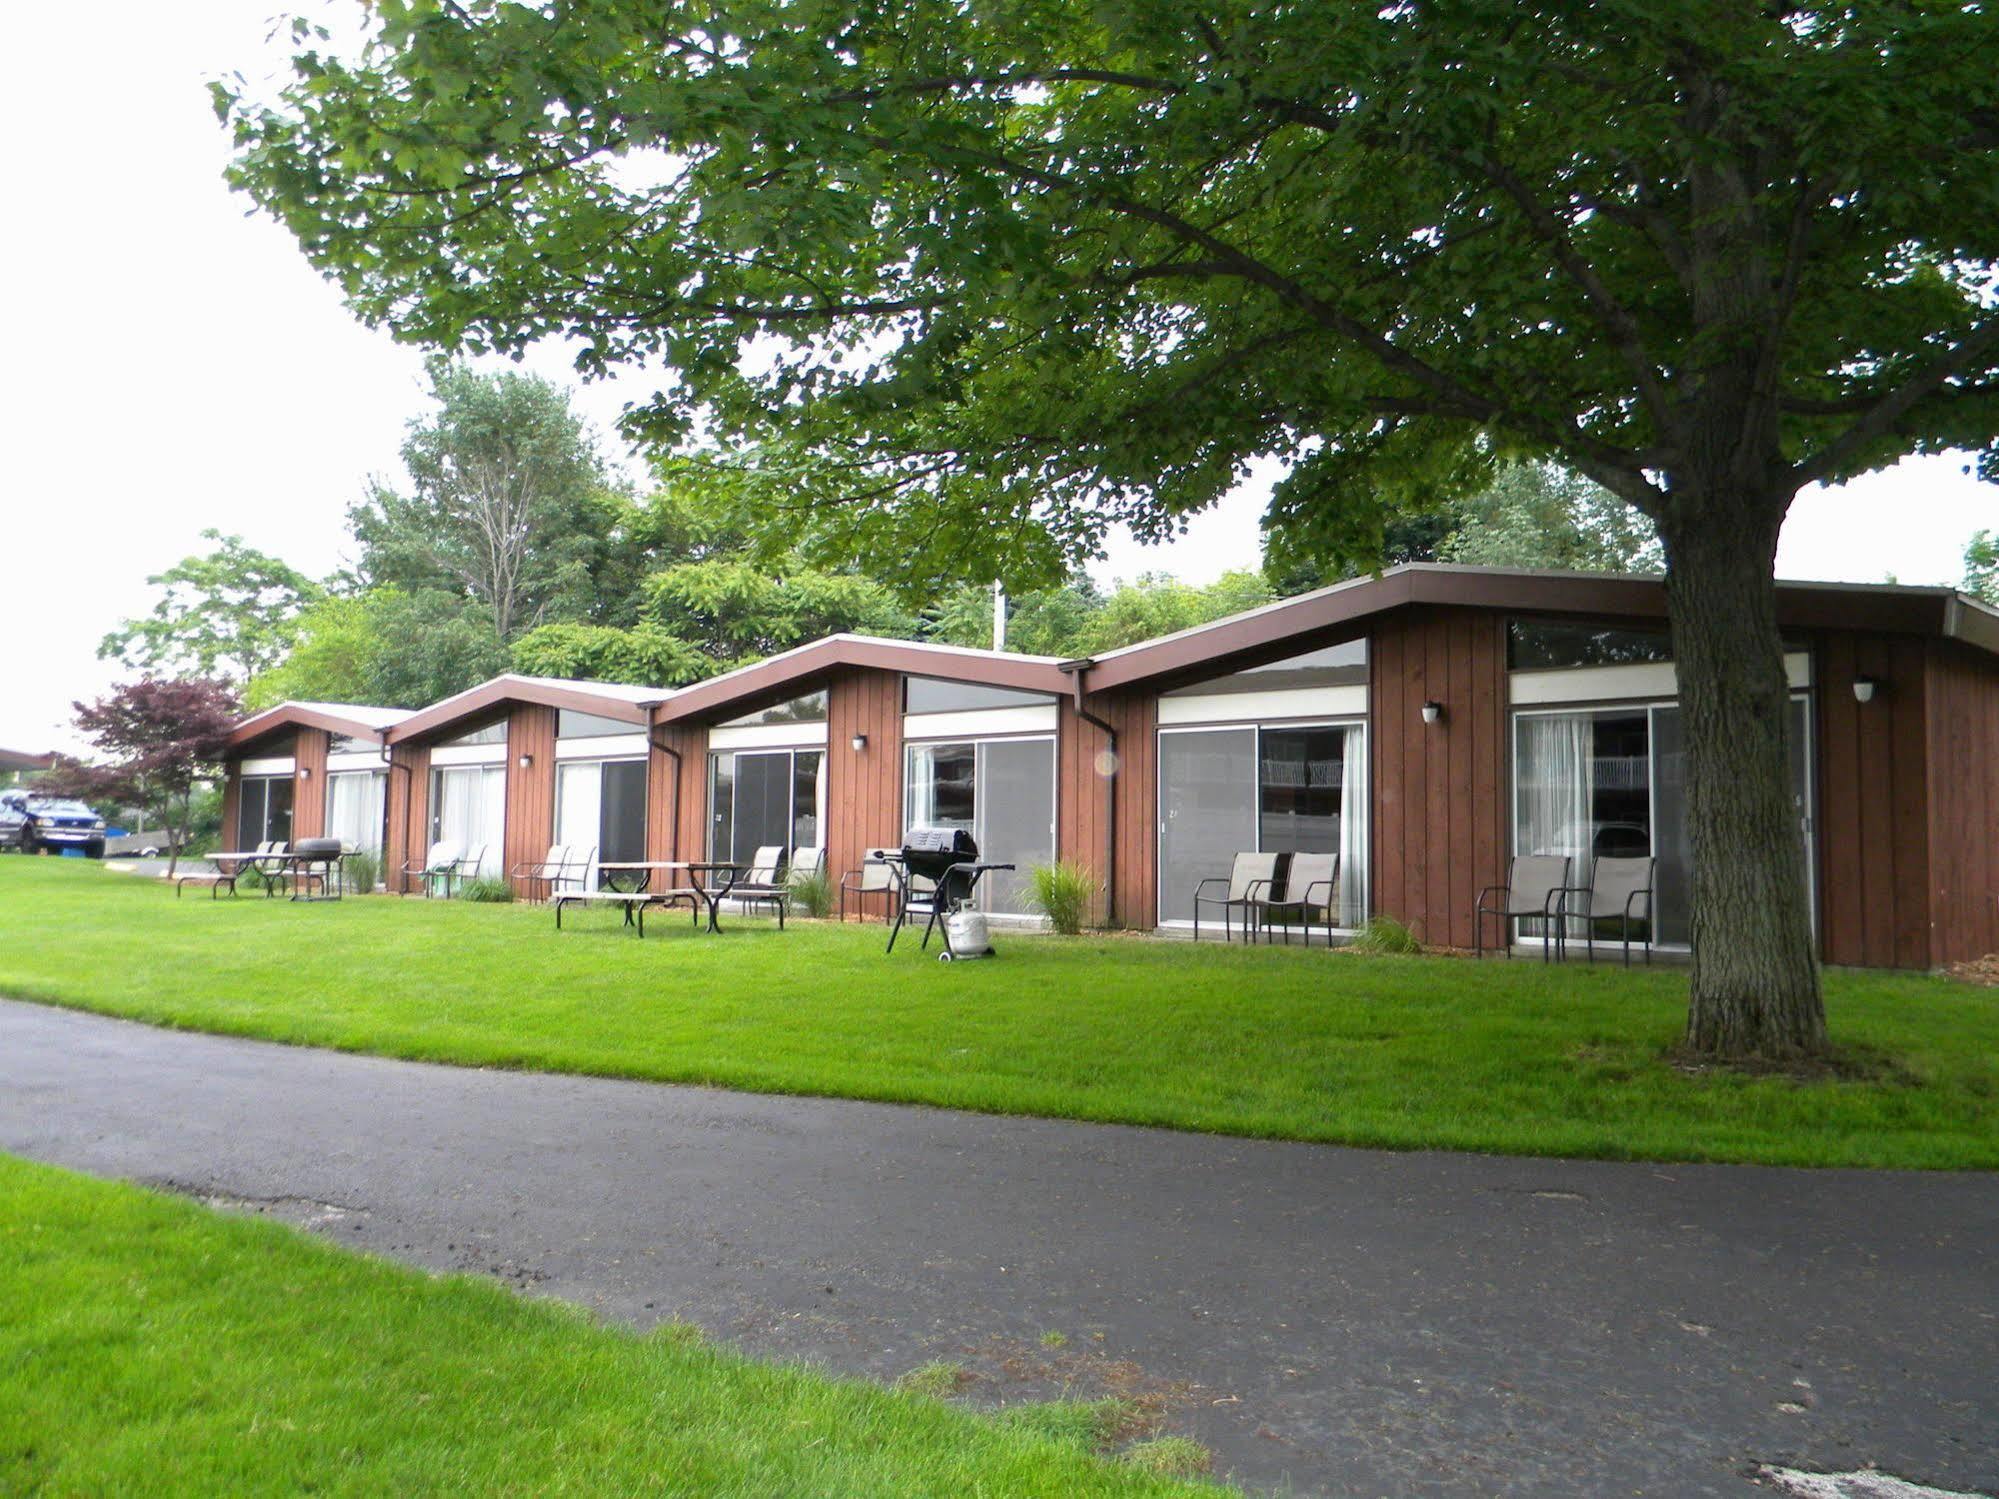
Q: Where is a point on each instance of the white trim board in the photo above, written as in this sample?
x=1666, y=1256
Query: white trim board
x=602, y=747
x=1258, y=707
x=1652, y=680
x=353, y=760
x=271, y=765
x=753, y=736
x=981, y=723
x=447, y=755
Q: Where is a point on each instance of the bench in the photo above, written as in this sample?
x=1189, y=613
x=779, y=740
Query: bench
x=629, y=901
x=216, y=881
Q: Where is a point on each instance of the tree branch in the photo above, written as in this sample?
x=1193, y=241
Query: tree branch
x=1881, y=418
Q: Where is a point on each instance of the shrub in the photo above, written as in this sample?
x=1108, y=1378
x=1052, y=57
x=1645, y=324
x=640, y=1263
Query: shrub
x=1385, y=936
x=812, y=893
x=488, y=887
x=1062, y=891
x=363, y=871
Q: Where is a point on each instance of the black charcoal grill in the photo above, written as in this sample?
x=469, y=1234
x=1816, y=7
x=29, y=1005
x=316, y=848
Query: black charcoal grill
x=948, y=860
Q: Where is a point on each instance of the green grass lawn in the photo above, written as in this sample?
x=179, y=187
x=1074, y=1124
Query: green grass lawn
x=150, y=1346
x=1400, y=1052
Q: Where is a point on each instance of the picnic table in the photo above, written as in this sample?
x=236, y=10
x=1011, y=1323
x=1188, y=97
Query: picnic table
x=629, y=885
x=297, y=871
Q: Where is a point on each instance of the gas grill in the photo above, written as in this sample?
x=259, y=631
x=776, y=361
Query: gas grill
x=937, y=877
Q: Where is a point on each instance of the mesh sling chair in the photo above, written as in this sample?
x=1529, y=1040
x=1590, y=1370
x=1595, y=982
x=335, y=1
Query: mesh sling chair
x=762, y=883
x=1249, y=873
x=1308, y=887
x=876, y=876
x=547, y=870
x=1534, y=888
x=1619, y=890
x=440, y=865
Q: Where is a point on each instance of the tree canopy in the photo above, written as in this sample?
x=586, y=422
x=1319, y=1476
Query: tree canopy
x=228, y=611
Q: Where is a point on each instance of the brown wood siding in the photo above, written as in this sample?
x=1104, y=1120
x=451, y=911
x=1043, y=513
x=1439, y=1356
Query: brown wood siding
x=1135, y=882
x=408, y=837
x=863, y=788
x=1873, y=803
x=530, y=793
x=1083, y=800
x=1963, y=712
x=677, y=793
x=232, y=801
x=1440, y=790
x=309, y=784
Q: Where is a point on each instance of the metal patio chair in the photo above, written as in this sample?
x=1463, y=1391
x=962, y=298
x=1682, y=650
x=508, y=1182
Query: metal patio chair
x=1534, y=889
x=1619, y=890
x=1240, y=885
x=1308, y=887
x=876, y=876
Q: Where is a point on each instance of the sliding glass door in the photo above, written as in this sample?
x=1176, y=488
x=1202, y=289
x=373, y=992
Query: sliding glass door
x=263, y=811
x=355, y=802
x=468, y=807
x=1277, y=789
x=600, y=812
x=1611, y=782
x=1002, y=792
x=765, y=798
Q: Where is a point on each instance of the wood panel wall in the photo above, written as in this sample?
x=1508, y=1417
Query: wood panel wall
x=1440, y=793
x=863, y=788
x=232, y=802
x=309, y=784
x=530, y=794
x=1963, y=775
x=1085, y=792
x=1873, y=803
x=677, y=793
x=407, y=839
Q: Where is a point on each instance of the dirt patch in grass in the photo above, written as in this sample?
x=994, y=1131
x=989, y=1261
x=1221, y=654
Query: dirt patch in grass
x=1984, y=972
x=1851, y=1064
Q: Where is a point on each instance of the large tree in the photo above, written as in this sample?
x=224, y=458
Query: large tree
x=1020, y=271
x=507, y=505
x=229, y=610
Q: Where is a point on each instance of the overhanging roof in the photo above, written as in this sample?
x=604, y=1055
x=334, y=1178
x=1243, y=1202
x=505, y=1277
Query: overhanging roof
x=624, y=701
x=799, y=670
x=353, y=720
x=1343, y=611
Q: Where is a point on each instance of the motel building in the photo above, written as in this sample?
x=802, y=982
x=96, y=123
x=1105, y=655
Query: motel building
x=1424, y=725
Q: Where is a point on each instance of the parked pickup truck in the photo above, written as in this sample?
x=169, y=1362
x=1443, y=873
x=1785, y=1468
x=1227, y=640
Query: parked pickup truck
x=31, y=822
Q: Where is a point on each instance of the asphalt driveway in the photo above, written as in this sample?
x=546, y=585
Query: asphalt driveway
x=1329, y=1321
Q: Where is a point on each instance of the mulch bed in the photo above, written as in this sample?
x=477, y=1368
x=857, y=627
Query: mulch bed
x=1981, y=971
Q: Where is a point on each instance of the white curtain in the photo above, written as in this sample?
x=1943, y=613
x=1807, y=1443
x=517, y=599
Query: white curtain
x=354, y=800
x=472, y=812
x=579, y=807
x=1557, y=774
x=1353, y=829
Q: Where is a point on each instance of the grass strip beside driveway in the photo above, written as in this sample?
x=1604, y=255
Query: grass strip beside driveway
x=150, y=1346
x=1404, y=1053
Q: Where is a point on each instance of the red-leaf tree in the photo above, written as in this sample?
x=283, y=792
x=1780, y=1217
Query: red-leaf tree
x=158, y=738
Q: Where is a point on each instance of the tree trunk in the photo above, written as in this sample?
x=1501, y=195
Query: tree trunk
x=1755, y=990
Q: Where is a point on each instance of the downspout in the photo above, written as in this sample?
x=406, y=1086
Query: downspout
x=673, y=823
x=1077, y=670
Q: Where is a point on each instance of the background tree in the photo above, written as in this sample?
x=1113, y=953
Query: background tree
x=507, y=506
x=228, y=611
x=159, y=741
x=1981, y=566
x=1540, y=515
x=1027, y=271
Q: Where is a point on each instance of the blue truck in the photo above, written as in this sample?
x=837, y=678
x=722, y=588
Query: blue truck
x=32, y=822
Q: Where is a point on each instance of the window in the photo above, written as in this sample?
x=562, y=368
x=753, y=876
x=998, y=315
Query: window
x=355, y=807
x=935, y=695
x=263, y=811
x=759, y=798
x=808, y=709
x=347, y=744
x=1611, y=783
x=492, y=733
x=600, y=811
x=1551, y=644
x=1252, y=789
x=1342, y=665
x=569, y=724
x=468, y=808
x=1001, y=791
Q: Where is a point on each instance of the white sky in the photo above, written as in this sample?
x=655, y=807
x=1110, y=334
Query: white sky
x=176, y=366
